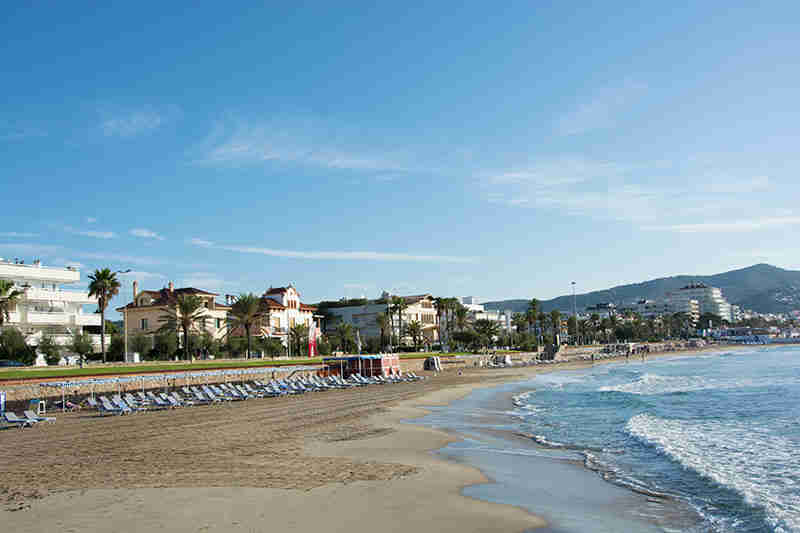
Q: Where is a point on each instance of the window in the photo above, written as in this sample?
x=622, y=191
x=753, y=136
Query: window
x=144, y=323
x=219, y=323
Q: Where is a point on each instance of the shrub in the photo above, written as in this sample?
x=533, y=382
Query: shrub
x=13, y=346
x=50, y=350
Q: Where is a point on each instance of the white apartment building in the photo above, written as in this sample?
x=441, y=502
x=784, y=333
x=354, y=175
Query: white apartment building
x=364, y=318
x=709, y=299
x=45, y=308
x=477, y=311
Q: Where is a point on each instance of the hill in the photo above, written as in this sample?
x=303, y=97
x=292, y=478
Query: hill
x=762, y=288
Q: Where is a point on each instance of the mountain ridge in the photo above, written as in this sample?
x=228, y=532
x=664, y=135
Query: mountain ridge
x=761, y=287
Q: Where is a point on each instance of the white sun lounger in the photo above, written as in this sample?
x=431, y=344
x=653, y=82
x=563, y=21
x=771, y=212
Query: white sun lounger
x=13, y=419
x=30, y=415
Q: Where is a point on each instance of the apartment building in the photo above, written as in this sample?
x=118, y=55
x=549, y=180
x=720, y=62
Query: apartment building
x=364, y=317
x=709, y=299
x=46, y=308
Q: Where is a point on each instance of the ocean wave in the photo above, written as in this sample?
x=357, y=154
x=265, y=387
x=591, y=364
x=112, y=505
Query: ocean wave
x=649, y=384
x=746, y=458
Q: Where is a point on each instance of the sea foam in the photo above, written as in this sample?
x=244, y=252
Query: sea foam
x=749, y=459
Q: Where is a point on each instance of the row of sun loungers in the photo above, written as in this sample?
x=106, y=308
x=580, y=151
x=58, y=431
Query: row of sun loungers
x=129, y=403
x=227, y=392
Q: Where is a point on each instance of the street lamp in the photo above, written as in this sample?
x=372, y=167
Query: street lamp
x=575, y=313
x=124, y=318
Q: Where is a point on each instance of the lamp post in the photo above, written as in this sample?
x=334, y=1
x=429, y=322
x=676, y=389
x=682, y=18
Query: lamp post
x=124, y=319
x=575, y=313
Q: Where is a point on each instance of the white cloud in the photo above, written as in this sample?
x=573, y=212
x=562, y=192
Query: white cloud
x=130, y=124
x=91, y=220
x=141, y=275
x=602, y=110
x=744, y=224
x=337, y=255
x=146, y=234
x=91, y=233
x=18, y=234
x=303, y=141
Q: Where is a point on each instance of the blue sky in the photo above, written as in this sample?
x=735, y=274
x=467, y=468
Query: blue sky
x=497, y=151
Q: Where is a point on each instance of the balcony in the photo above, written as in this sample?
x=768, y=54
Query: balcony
x=49, y=318
x=87, y=320
x=36, y=294
x=38, y=272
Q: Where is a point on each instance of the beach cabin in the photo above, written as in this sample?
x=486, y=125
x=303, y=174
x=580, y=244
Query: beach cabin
x=366, y=365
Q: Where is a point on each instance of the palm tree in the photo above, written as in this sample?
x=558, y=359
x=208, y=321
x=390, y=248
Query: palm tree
x=518, y=321
x=187, y=313
x=297, y=334
x=541, y=318
x=383, y=324
x=440, y=304
x=245, y=312
x=532, y=313
x=487, y=329
x=8, y=299
x=104, y=286
x=555, y=318
x=399, y=306
x=462, y=317
x=344, y=332
x=414, y=329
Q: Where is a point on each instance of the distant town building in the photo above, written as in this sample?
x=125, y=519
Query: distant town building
x=45, y=308
x=709, y=299
x=603, y=310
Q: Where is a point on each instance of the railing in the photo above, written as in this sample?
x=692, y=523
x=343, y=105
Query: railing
x=34, y=293
x=87, y=320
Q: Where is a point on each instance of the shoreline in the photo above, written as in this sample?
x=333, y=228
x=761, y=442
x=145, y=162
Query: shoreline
x=425, y=492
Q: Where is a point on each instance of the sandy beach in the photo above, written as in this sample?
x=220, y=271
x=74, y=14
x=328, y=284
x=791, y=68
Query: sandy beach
x=339, y=460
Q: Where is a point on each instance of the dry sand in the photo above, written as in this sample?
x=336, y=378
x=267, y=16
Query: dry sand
x=335, y=460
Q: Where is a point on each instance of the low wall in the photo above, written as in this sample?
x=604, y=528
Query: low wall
x=18, y=396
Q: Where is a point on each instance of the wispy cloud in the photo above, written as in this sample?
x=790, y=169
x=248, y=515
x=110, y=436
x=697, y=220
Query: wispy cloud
x=20, y=234
x=337, y=255
x=744, y=224
x=207, y=281
x=601, y=110
x=91, y=233
x=146, y=234
x=130, y=124
x=141, y=275
x=713, y=201
x=304, y=141
x=91, y=220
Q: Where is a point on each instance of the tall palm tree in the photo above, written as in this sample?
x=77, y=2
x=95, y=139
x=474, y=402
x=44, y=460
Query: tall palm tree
x=555, y=318
x=532, y=313
x=188, y=312
x=8, y=299
x=383, y=324
x=399, y=305
x=487, y=330
x=541, y=318
x=245, y=312
x=104, y=286
x=440, y=304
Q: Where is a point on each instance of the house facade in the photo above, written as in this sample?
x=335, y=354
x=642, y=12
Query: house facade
x=45, y=308
x=283, y=310
x=144, y=315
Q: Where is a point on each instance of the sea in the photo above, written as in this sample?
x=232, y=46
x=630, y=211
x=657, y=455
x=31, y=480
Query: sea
x=691, y=443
